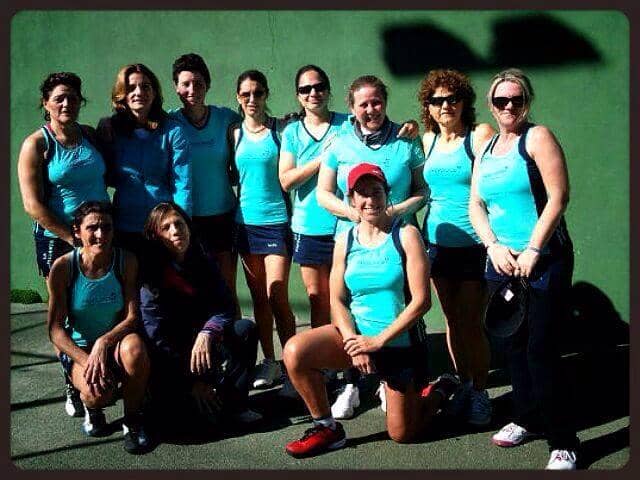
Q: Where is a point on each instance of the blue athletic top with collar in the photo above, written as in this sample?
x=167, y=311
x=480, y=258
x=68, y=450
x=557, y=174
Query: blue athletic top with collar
x=511, y=187
x=375, y=281
x=260, y=198
x=397, y=158
x=149, y=167
x=72, y=176
x=210, y=156
x=94, y=304
x=448, y=175
x=309, y=218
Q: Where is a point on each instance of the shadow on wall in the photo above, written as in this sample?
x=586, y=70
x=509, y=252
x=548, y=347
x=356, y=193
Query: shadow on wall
x=536, y=40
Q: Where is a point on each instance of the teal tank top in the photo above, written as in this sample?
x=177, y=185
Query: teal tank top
x=72, y=176
x=211, y=190
x=94, y=304
x=309, y=218
x=505, y=187
x=397, y=158
x=448, y=175
x=260, y=197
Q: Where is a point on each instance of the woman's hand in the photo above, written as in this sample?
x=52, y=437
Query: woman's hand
x=96, y=372
x=527, y=261
x=202, y=354
x=207, y=399
x=409, y=129
x=363, y=363
x=359, y=344
x=353, y=215
x=503, y=259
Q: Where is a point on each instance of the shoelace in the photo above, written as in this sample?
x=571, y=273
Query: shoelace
x=309, y=432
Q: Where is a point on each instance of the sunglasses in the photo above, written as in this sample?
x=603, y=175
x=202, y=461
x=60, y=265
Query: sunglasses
x=256, y=94
x=439, y=101
x=306, y=89
x=502, y=102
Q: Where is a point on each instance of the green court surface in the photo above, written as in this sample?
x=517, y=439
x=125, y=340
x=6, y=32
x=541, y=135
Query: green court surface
x=43, y=437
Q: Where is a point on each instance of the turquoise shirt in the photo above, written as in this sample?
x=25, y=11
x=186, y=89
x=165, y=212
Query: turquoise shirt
x=374, y=277
x=260, y=197
x=211, y=190
x=397, y=158
x=448, y=175
x=95, y=305
x=309, y=218
x=505, y=188
x=74, y=175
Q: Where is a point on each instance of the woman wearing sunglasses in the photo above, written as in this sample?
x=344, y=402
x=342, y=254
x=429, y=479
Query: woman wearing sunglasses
x=370, y=136
x=206, y=127
x=519, y=192
x=263, y=235
x=451, y=143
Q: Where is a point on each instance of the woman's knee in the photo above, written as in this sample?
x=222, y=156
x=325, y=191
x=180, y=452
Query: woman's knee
x=402, y=433
x=133, y=352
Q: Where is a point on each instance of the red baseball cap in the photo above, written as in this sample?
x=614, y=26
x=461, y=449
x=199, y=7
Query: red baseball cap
x=361, y=170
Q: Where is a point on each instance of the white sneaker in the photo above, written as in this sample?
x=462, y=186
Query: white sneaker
x=479, y=413
x=346, y=403
x=511, y=435
x=562, y=460
x=382, y=395
x=267, y=372
x=288, y=390
x=248, y=416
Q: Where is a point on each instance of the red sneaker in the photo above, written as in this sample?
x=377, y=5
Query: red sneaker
x=317, y=439
x=446, y=384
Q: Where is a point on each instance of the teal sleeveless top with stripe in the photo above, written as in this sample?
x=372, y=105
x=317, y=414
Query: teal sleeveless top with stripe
x=375, y=280
x=72, y=176
x=94, y=304
x=448, y=175
x=260, y=197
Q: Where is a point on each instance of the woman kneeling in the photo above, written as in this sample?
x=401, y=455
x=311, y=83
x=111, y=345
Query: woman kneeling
x=377, y=322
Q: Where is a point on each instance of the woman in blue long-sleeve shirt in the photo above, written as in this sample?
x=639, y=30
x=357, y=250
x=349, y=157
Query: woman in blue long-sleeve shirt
x=147, y=154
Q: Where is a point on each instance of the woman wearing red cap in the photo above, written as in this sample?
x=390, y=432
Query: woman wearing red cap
x=374, y=327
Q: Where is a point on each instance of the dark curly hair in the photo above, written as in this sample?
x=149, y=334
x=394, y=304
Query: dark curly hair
x=191, y=62
x=459, y=84
x=68, y=79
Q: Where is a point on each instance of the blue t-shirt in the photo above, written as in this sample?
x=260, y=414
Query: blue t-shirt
x=210, y=155
x=505, y=188
x=260, y=197
x=448, y=175
x=397, y=158
x=309, y=218
x=149, y=167
x=74, y=175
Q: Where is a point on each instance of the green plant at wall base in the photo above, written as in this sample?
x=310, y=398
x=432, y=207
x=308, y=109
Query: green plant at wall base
x=28, y=296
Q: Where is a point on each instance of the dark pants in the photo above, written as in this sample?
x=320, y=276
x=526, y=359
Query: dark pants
x=541, y=397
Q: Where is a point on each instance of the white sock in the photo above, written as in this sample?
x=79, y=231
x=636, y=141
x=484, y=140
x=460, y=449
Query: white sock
x=327, y=421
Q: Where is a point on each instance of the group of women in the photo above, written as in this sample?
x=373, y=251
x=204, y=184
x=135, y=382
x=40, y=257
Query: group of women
x=495, y=204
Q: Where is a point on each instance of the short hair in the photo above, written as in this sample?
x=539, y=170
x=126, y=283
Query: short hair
x=191, y=62
x=86, y=208
x=158, y=213
x=52, y=80
x=256, y=76
x=366, y=80
x=119, y=95
x=514, y=75
x=459, y=84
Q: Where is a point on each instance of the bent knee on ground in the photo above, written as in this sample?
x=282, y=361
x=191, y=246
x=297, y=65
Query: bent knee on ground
x=403, y=434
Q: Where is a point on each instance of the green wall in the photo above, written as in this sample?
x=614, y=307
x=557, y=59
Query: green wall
x=586, y=103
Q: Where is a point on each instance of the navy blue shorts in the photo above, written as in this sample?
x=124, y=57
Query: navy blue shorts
x=48, y=250
x=215, y=232
x=264, y=239
x=459, y=263
x=112, y=365
x=313, y=249
x=403, y=366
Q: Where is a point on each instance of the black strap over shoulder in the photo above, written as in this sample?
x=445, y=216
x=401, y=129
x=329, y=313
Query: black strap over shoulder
x=433, y=144
x=468, y=147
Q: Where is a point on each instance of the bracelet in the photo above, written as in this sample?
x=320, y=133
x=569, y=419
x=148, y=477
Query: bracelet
x=534, y=249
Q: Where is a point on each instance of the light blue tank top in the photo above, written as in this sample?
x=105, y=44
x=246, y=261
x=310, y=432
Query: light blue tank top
x=95, y=304
x=211, y=191
x=448, y=175
x=260, y=197
x=73, y=175
x=397, y=158
x=374, y=277
x=504, y=186
x=309, y=218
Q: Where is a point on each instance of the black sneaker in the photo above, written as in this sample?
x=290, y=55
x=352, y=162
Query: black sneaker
x=95, y=423
x=73, y=405
x=136, y=440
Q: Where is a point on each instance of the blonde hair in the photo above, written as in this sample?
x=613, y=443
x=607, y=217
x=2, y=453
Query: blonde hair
x=517, y=76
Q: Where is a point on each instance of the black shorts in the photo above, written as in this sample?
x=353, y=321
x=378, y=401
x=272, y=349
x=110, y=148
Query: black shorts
x=459, y=263
x=215, y=232
x=403, y=366
x=264, y=239
x=313, y=249
x=48, y=249
x=114, y=367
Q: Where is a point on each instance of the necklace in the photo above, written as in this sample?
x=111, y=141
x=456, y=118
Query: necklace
x=257, y=130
